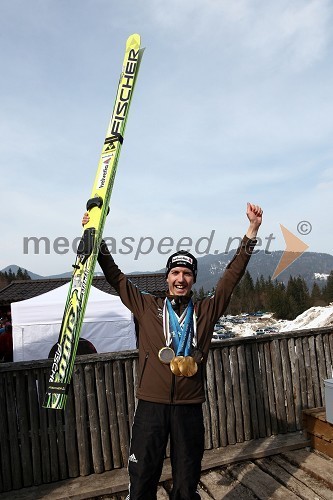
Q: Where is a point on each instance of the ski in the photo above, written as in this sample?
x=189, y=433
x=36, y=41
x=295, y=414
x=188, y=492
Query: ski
x=87, y=252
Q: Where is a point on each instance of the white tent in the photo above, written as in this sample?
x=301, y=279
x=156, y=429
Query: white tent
x=108, y=324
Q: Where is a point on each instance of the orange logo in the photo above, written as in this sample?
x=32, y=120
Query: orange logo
x=294, y=249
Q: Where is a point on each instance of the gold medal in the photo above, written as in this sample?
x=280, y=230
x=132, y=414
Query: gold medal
x=187, y=366
x=174, y=366
x=166, y=355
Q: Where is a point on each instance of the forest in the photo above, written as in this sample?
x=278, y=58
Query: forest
x=285, y=301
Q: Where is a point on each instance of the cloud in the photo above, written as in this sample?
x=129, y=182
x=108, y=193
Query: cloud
x=234, y=103
x=325, y=180
x=296, y=34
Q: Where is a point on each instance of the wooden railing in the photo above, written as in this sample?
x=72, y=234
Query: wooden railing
x=256, y=387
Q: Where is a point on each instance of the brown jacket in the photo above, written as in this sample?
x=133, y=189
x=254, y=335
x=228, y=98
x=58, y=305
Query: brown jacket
x=156, y=381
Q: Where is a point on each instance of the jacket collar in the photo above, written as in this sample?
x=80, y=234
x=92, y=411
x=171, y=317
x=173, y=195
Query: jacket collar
x=178, y=300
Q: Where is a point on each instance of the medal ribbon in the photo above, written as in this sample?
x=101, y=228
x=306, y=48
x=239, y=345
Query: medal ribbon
x=181, y=336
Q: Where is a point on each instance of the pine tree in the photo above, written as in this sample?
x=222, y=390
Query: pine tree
x=3, y=280
x=277, y=301
x=258, y=295
x=317, y=298
x=11, y=275
x=297, y=296
x=19, y=274
x=26, y=275
x=246, y=293
x=328, y=290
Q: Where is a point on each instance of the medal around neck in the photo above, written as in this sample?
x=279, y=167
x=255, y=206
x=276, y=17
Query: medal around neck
x=174, y=366
x=166, y=355
x=187, y=366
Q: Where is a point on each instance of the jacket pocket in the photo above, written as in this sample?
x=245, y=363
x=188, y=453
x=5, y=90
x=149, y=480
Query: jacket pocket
x=143, y=368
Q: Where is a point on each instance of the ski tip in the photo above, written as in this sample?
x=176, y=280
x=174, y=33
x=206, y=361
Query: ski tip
x=135, y=38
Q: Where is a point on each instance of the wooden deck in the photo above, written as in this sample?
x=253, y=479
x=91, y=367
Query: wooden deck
x=279, y=467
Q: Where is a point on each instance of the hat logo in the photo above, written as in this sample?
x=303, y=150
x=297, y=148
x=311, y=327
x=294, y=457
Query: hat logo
x=182, y=258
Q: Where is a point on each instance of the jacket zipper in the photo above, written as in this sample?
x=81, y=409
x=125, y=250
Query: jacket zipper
x=143, y=368
x=173, y=383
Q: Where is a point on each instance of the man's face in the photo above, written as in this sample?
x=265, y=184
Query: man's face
x=180, y=281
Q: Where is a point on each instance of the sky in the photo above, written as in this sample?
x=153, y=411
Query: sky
x=233, y=104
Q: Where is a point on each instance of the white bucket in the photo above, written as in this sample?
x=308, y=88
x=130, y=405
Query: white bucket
x=329, y=399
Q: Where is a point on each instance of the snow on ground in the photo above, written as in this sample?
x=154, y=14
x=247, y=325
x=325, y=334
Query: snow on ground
x=315, y=317
x=250, y=326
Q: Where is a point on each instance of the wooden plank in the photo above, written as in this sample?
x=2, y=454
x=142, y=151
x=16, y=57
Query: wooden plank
x=130, y=390
x=319, y=412
x=162, y=494
x=4, y=440
x=135, y=377
x=319, y=427
x=309, y=385
x=133, y=354
x=236, y=394
x=219, y=379
x=267, y=415
x=212, y=400
x=61, y=446
x=111, y=482
x=70, y=435
x=244, y=390
x=302, y=372
x=314, y=487
x=81, y=419
x=15, y=458
x=283, y=474
x=288, y=386
x=87, y=358
x=250, y=450
x=94, y=425
x=252, y=393
x=34, y=428
x=231, y=421
x=320, y=444
x=220, y=484
x=321, y=365
x=270, y=389
x=112, y=411
x=44, y=437
x=52, y=435
x=316, y=465
x=103, y=416
x=330, y=341
x=296, y=383
x=23, y=423
x=122, y=416
x=203, y=494
x=260, y=483
x=206, y=419
x=328, y=358
x=315, y=372
x=278, y=386
x=258, y=389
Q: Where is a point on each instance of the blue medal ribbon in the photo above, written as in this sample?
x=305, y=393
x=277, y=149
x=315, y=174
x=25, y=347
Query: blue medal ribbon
x=181, y=335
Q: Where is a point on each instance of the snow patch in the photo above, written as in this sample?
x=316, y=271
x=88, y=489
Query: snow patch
x=315, y=317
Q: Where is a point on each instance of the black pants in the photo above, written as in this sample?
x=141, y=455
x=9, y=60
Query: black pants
x=153, y=423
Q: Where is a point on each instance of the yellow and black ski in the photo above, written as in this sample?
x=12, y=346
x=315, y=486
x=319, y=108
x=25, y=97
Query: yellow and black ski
x=97, y=205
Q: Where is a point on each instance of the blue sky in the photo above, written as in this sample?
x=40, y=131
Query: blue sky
x=234, y=103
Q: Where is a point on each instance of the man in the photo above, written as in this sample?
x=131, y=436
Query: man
x=6, y=345
x=174, y=337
